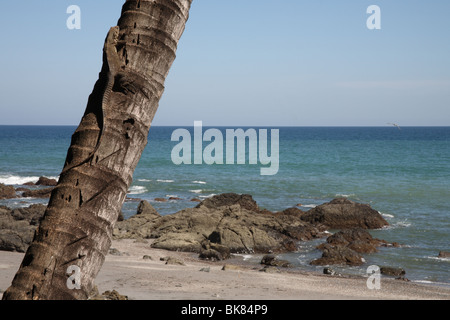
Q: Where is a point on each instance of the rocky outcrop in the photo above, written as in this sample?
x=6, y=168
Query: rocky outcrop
x=7, y=192
x=245, y=201
x=43, y=181
x=392, y=271
x=272, y=260
x=338, y=255
x=444, y=254
x=38, y=193
x=345, y=247
x=230, y=220
x=17, y=227
x=33, y=214
x=357, y=239
x=233, y=223
x=214, y=251
x=342, y=213
x=138, y=226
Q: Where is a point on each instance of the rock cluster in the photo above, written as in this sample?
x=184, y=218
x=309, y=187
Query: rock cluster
x=8, y=192
x=17, y=226
x=221, y=224
x=230, y=223
x=346, y=247
x=342, y=213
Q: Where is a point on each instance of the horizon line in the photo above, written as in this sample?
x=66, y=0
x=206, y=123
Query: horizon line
x=235, y=126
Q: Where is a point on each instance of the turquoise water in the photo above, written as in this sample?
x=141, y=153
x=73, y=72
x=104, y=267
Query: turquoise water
x=403, y=173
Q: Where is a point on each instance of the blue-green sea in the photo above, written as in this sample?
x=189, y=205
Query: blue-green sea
x=404, y=173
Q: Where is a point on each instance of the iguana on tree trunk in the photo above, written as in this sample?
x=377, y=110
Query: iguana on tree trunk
x=113, y=64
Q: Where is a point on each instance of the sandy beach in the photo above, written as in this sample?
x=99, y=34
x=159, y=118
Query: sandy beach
x=152, y=279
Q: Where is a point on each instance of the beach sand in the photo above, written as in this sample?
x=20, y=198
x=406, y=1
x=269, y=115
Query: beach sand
x=153, y=279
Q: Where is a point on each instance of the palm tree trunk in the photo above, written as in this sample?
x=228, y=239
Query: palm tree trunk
x=77, y=226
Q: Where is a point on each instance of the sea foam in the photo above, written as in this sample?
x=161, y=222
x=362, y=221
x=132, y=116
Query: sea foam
x=137, y=190
x=19, y=180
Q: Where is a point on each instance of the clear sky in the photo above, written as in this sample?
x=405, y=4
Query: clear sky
x=243, y=62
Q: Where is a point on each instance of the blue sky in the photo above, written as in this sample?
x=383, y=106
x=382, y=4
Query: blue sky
x=243, y=63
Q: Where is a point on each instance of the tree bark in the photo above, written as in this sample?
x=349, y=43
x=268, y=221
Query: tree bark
x=76, y=231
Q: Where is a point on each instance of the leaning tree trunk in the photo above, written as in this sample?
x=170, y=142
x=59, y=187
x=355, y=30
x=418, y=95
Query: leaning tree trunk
x=76, y=231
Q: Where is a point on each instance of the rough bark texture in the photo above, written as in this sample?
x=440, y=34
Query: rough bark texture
x=77, y=226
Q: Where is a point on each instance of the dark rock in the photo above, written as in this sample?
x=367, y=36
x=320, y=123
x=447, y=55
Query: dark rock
x=160, y=199
x=174, y=261
x=196, y=200
x=38, y=193
x=342, y=213
x=444, y=254
x=43, y=181
x=344, y=247
x=228, y=267
x=209, y=254
x=337, y=255
x=356, y=239
x=227, y=199
x=14, y=235
x=267, y=259
x=147, y=257
x=33, y=214
x=175, y=198
x=7, y=192
x=392, y=271
x=107, y=295
x=138, y=226
x=114, y=252
x=214, y=251
x=17, y=227
x=329, y=271
x=272, y=260
x=145, y=208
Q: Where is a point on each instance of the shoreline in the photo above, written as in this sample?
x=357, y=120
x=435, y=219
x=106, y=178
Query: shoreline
x=126, y=271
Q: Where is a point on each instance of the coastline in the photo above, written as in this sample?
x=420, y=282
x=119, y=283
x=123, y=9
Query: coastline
x=131, y=275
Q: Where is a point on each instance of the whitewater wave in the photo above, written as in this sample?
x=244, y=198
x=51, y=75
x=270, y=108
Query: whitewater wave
x=166, y=181
x=19, y=180
x=345, y=195
x=208, y=195
x=439, y=259
x=309, y=205
x=386, y=215
x=399, y=224
x=137, y=190
x=196, y=191
x=144, y=180
x=199, y=182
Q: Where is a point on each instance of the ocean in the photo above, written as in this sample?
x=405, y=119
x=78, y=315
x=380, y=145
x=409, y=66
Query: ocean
x=404, y=173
